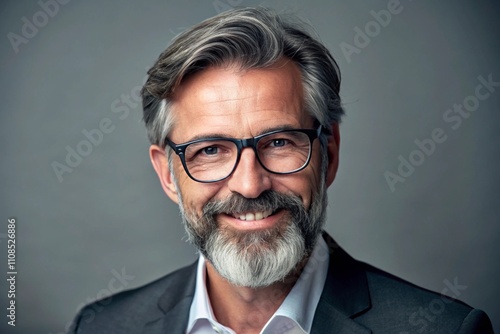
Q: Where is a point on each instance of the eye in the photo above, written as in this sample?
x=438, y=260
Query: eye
x=278, y=142
x=210, y=150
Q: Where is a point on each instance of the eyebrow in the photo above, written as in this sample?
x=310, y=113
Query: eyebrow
x=222, y=135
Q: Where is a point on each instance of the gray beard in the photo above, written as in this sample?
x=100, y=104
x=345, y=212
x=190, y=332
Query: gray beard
x=257, y=258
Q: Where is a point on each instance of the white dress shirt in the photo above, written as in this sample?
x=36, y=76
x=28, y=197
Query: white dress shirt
x=294, y=316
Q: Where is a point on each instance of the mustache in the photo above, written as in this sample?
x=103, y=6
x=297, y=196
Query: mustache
x=236, y=203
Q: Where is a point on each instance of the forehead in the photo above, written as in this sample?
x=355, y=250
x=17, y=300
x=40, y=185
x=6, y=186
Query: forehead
x=232, y=102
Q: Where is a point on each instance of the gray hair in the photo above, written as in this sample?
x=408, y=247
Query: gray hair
x=248, y=38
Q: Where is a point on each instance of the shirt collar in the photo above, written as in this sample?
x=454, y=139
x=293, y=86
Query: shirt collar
x=299, y=305
x=200, y=307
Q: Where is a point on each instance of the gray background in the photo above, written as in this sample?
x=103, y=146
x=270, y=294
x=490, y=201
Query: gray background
x=110, y=213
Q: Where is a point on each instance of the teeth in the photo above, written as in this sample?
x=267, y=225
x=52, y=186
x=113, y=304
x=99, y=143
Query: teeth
x=253, y=215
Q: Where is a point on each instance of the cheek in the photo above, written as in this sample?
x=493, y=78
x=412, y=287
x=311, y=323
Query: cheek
x=316, y=174
x=306, y=183
x=195, y=195
x=302, y=184
x=194, y=199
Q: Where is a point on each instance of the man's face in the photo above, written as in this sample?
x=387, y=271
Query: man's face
x=227, y=102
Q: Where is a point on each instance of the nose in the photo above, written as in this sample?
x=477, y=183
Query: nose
x=249, y=179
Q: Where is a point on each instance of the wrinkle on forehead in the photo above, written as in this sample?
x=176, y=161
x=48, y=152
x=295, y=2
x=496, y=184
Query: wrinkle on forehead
x=225, y=98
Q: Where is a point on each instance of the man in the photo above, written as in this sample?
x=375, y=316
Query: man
x=243, y=114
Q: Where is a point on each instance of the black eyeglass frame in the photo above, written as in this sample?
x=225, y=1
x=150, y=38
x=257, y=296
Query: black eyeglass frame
x=252, y=142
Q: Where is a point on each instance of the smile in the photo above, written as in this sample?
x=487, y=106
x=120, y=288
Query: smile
x=251, y=216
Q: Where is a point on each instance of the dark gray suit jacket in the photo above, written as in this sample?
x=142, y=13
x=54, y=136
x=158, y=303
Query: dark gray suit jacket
x=356, y=298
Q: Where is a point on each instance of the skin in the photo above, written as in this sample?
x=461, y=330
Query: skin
x=226, y=101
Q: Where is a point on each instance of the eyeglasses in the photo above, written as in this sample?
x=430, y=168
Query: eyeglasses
x=214, y=159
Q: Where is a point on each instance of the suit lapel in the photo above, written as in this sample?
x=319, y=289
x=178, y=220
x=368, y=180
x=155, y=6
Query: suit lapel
x=174, y=304
x=330, y=320
x=174, y=321
x=344, y=295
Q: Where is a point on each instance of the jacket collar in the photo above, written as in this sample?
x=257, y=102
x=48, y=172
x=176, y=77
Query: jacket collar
x=174, y=304
x=344, y=296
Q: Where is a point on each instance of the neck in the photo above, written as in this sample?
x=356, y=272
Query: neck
x=246, y=310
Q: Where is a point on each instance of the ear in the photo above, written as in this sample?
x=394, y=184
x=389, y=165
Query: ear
x=333, y=154
x=160, y=164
